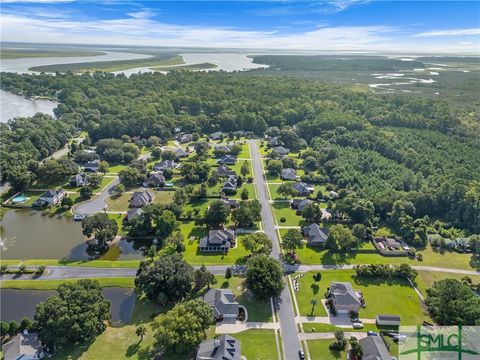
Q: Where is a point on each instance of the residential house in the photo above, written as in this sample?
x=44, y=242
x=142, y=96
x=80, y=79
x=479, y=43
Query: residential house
x=374, y=348
x=280, y=150
x=165, y=165
x=52, y=197
x=288, y=174
x=344, y=298
x=223, y=303
x=216, y=135
x=185, y=138
x=303, y=189
x=299, y=204
x=218, y=240
x=274, y=141
x=180, y=153
x=316, y=235
x=326, y=215
x=141, y=198
x=333, y=194
x=228, y=160
x=220, y=147
x=230, y=185
x=156, y=179
x=92, y=166
x=133, y=213
x=223, y=347
x=387, y=320
x=78, y=180
x=224, y=171
x=24, y=346
x=231, y=203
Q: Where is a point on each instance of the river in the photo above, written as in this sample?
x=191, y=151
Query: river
x=13, y=105
x=23, y=64
x=17, y=304
x=30, y=234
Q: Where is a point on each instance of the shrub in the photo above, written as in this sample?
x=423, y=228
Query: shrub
x=40, y=270
x=282, y=219
x=22, y=268
x=3, y=269
x=419, y=256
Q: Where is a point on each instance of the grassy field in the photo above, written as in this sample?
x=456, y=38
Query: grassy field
x=258, y=344
x=19, y=54
x=310, y=255
x=425, y=279
x=389, y=297
x=284, y=210
x=319, y=350
x=53, y=284
x=121, y=203
x=318, y=327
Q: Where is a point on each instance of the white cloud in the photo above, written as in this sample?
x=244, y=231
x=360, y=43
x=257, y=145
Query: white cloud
x=451, y=32
x=141, y=29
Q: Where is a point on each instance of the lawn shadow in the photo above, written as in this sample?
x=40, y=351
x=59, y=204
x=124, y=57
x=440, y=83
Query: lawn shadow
x=315, y=288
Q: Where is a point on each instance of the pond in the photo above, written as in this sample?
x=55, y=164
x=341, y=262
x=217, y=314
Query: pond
x=14, y=105
x=17, y=304
x=29, y=234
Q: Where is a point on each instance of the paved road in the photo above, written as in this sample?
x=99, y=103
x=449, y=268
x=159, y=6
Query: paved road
x=98, y=203
x=286, y=316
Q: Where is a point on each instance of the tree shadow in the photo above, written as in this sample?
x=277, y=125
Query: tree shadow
x=315, y=288
x=132, y=349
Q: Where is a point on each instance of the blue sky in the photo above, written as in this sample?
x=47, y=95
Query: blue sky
x=343, y=25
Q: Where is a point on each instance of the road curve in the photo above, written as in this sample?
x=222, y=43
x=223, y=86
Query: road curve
x=98, y=203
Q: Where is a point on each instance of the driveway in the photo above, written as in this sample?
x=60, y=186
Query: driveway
x=98, y=203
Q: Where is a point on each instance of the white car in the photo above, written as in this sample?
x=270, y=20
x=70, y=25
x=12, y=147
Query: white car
x=357, y=325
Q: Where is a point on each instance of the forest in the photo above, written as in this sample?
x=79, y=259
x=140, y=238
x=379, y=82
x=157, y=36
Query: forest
x=382, y=147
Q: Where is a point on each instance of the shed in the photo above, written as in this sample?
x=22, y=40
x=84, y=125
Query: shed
x=388, y=320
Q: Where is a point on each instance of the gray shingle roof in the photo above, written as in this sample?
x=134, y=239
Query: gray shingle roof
x=289, y=174
x=223, y=347
x=374, y=348
x=141, y=198
x=281, y=150
x=344, y=294
x=222, y=302
x=302, y=188
x=315, y=234
x=227, y=159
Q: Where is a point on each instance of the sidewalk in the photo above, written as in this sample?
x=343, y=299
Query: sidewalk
x=243, y=326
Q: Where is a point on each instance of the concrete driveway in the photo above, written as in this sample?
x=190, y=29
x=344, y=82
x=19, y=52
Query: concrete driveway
x=98, y=203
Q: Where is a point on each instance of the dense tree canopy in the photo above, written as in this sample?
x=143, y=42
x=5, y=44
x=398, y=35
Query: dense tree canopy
x=78, y=313
x=264, y=276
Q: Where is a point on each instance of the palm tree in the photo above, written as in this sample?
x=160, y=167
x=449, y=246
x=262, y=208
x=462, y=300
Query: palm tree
x=141, y=330
x=314, y=302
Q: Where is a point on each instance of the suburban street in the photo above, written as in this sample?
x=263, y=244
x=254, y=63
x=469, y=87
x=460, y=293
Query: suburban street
x=98, y=203
x=288, y=326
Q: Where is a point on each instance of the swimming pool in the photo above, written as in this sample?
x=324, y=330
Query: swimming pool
x=19, y=199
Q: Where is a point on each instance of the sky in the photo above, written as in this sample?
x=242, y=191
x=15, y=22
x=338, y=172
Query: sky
x=323, y=25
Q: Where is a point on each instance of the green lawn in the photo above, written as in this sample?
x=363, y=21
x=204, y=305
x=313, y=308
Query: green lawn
x=284, y=209
x=116, y=168
x=195, y=257
x=425, y=279
x=319, y=350
x=53, y=284
x=119, y=203
x=258, y=344
x=318, y=327
x=392, y=297
x=454, y=260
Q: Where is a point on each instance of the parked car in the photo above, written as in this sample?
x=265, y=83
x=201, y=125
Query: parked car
x=372, y=333
x=357, y=325
x=79, y=217
x=301, y=354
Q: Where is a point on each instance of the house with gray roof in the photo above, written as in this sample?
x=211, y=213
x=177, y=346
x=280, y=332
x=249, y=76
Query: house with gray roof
x=24, y=346
x=374, y=348
x=387, y=320
x=92, y=166
x=164, y=165
x=288, y=174
x=223, y=303
x=280, y=150
x=303, y=189
x=141, y=198
x=133, y=213
x=299, y=204
x=230, y=185
x=316, y=235
x=217, y=135
x=344, y=298
x=221, y=147
x=78, y=180
x=155, y=179
x=180, y=153
x=227, y=160
x=274, y=141
x=223, y=347
x=218, y=240
x=52, y=197
x=185, y=138
x=224, y=171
